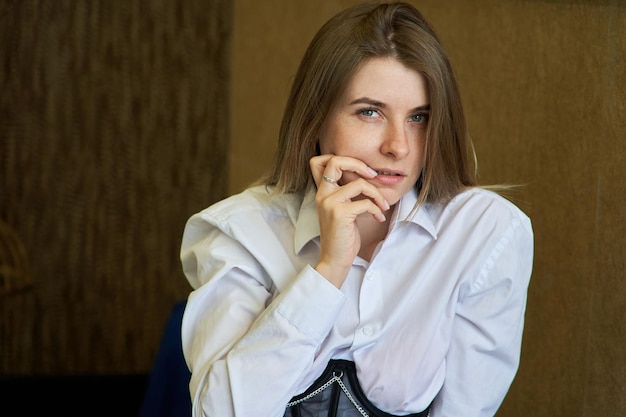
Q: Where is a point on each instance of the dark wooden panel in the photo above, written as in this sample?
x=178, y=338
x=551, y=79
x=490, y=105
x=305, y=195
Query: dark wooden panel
x=114, y=130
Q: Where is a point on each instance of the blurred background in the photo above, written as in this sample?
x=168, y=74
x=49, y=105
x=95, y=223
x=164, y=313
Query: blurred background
x=120, y=119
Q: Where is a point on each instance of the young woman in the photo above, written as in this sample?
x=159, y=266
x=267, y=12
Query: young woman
x=367, y=274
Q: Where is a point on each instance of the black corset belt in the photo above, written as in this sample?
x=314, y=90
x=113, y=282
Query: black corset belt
x=337, y=393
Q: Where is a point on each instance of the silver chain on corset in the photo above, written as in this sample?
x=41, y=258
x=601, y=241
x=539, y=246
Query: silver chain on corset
x=336, y=378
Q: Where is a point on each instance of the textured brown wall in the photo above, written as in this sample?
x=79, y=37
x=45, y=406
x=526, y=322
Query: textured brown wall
x=544, y=87
x=113, y=131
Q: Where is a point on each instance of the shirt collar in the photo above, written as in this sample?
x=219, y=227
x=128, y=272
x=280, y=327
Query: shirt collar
x=424, y=215
x=308, y=227
x=307, y=224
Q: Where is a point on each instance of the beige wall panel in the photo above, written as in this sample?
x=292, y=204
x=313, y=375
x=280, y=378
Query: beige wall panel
x=544, y=87
x=268, y=42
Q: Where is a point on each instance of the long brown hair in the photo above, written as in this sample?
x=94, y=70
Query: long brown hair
x=336, y=52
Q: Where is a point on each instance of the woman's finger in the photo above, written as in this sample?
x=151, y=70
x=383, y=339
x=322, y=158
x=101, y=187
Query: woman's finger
x=362, y=190
x=329, y=168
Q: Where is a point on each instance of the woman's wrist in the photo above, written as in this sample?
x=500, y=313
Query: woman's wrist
x=334, y=274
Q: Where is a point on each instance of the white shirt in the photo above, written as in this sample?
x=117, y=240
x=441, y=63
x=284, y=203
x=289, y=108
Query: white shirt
x=437, y=314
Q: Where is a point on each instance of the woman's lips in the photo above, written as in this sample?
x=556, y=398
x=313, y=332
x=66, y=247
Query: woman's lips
x=387, y=177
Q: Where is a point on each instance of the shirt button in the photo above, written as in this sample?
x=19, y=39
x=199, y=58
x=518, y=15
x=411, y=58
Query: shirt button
x=367, y=331
x=370, y=276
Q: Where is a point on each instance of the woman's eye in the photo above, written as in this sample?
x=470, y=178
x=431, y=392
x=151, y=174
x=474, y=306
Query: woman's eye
x=420, y=118
x=368, y=112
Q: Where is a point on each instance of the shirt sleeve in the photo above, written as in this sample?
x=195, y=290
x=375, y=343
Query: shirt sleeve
x=484, y=351
x=245, y=344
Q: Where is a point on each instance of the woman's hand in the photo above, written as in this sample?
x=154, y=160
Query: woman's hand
x=338, y=206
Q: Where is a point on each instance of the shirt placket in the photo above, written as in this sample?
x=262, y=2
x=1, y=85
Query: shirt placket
x=370, y=307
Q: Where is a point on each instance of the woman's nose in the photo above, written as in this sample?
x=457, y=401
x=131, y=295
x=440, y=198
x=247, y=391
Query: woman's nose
x=396, y=141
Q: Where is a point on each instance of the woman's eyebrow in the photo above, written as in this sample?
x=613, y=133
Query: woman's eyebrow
x=376, y=103
x=425, y=107
x=367, y=100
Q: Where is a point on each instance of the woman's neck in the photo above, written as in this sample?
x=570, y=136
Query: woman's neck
x=372, y=232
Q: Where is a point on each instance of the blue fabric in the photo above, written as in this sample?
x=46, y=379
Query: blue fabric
x=167, y=393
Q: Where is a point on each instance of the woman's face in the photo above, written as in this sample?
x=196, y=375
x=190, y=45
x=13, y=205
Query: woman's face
x=381, y=120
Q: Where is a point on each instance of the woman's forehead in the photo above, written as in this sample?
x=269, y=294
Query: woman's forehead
x=386, y=79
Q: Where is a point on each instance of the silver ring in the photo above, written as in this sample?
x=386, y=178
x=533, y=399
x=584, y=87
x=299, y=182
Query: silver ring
x=328, y=179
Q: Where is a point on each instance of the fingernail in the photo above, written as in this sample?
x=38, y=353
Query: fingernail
x=387, y=205
x=372, y=171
